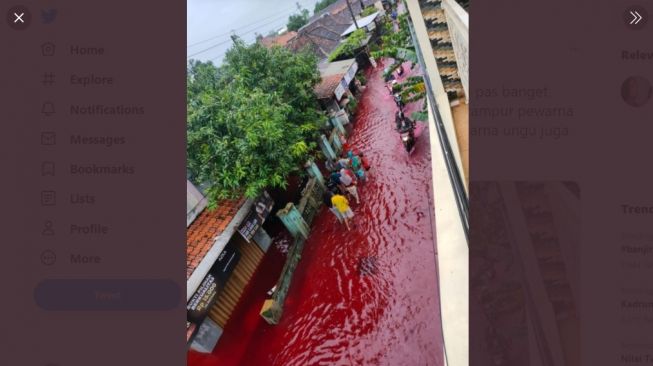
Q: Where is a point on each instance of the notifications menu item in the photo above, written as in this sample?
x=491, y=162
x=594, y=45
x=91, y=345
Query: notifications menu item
x=93, y=156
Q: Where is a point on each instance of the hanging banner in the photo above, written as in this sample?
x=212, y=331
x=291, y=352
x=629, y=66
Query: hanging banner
x=344, y=82
x=340, y=90
x=207, y=292
x=351, y=73
x=256, y=217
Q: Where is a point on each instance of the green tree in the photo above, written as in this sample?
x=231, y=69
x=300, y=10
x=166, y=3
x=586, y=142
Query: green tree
x=249, y=120
x=349, y=46
x=296, y=21
x=368, y=11
x=399, y=46
x=291, y=76
x=323, y=4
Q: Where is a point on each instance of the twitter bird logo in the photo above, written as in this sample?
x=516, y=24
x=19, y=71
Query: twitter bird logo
x=48, y=15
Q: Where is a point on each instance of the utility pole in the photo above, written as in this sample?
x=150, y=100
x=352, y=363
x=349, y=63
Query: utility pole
x=352, y=14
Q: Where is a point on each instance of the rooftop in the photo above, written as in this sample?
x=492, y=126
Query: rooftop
x=331, y=74
x=340, y=6
x=336, y=68
x=280, y=40
x=327, y=86
x=207, y=226
x=322, y=32
x=362, y=22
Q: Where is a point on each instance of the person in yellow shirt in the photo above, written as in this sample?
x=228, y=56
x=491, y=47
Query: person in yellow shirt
x=342, y=205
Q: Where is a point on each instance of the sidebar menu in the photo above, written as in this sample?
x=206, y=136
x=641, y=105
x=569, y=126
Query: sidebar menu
x=92, y=149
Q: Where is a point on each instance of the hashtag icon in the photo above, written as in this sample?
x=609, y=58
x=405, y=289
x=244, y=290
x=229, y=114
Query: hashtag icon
x=48, y=79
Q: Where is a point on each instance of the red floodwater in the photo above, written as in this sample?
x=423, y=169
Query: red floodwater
x=365, y=297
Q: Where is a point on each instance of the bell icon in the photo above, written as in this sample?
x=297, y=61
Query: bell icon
x=48, y=108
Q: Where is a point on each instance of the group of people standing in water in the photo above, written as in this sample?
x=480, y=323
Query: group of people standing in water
x=347, y=174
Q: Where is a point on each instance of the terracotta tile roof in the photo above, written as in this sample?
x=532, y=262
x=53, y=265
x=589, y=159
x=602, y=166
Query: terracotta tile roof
x=208, y=225
x=325, y=89
x=280, y=40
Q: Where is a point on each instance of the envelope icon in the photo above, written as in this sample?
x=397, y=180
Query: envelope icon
x=48, y=138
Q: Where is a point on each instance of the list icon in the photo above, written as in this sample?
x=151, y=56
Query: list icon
x=48, y=198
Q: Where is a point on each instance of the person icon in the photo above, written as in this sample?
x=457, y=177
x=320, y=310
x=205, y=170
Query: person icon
x=48, y=228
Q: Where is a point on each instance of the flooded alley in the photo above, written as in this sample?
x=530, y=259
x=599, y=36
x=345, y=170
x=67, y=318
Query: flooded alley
x=368, y=296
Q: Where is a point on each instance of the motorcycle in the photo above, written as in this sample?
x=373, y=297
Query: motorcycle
x=388, y=76
x=408, y=140
x=406, y=129
x=400, y=71
x=399, y=102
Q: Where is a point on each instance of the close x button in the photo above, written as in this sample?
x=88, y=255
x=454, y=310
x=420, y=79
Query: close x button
x=107, y=294
x=19, y=17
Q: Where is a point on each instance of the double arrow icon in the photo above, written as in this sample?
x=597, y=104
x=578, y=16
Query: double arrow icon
x=636, y=17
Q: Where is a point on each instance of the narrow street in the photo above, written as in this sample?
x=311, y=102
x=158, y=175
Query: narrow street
x=368, y=296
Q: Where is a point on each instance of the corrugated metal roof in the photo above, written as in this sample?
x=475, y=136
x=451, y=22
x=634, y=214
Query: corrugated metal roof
x=363, y=22
x=337, y=67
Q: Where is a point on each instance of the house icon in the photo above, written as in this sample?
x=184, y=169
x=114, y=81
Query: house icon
x=47, y=49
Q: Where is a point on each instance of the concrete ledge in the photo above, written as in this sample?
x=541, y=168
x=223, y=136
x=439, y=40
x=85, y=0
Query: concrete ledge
x=453, y=259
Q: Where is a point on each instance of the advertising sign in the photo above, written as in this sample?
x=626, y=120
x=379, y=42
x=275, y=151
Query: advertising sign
x=207, y=293
x=256, y=217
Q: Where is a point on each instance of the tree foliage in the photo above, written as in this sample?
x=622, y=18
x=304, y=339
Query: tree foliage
x=296, y=21
x=399, y=46
x=368, y=11
x=322, y=4
x=411, y=90
x=250, y=119
x=349, y=45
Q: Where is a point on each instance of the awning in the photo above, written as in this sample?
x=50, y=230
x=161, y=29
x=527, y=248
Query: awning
x=362, y=23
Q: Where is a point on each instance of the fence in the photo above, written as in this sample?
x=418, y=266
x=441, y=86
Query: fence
x=297, y=220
